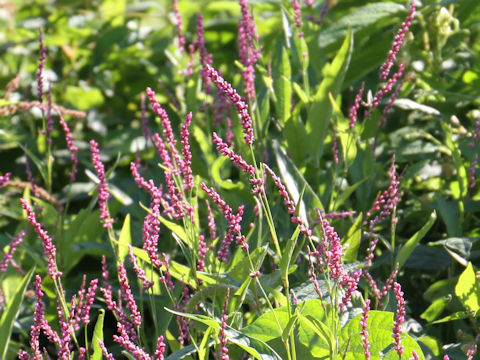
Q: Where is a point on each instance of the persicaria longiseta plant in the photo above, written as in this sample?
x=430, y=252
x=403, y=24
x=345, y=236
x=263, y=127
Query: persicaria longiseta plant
x=261, y=213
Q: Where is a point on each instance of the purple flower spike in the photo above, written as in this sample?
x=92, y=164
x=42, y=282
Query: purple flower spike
x=41, y=66
x=104, y=350
x=70, y=145
x=205, y=57
x=223, y=335
x=364, y=331
x=397, y=43
x=160, y=350
x=9, y=255
x=49, y=249
x=187, y=154
x=247, y=33
x=235, y=100
x=297, y=15
x=103, y=193
x=414, y=355
x=352, y=114
x=179, y=24
x=234, y=158
x=399, y=319
x=4, y=179
x=128, y=296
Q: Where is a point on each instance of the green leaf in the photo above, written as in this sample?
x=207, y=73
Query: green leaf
x=459, y=315
x=287, y=253
x=266, y=328
x=259, y=349
x=38, y=163
x=10, y=314
x=176, y=229
x=124, y=240
x=435, y=309
x=282, y=86
x=379, y=326
x=468, y=289
x=205, y=344
x=315, y=335
x=412, y=243
x=321, y=108
x=362, y=20
x=353, y=239
x=98, y=334
x=217, y=167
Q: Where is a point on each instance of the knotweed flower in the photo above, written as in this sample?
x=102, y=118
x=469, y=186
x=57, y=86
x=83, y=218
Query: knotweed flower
x=126, y=342
x=385, y=89
x=70, y=145
x=297, y=15
x=187, y=155
x=147, y=133
x=104, y=350
x=103, y=193
x=471, y=172
x=397, y=43
x=160, y=350
x=291, y=209
x=8, y=257
x=30, y=177
x=414, y=355
x=41, y=66
x=234, y=158
x=235, y=100
x=391, y=100
x=247, y=32
x=364, y=331
x=127, y=295
x=389, y=282
x=178, y=18
x=205, y=57
x=202, y=250
x=212, y=227
x=166, y=126
x=49, y=249
x=65, y=337
x=399, y=319
x=476, y=134
x=139, y=271
x=4, y=179
x=471, y=352
x=352, y=114
x=349, y=283
x=223, y=335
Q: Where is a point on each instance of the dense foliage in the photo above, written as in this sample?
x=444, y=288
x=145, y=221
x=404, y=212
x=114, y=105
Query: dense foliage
x=239, y=179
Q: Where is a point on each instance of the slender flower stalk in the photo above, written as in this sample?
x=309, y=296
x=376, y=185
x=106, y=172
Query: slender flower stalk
x=147, y=284
x=187, y=154
x=65, y=337
x=247, y=33
x=397, y=43
x=297, y=15
x=223, y=336
x=291, y=209
x=147, y=133
x=49, y=249
x=41, y=66
x=234, y=158
x=364, y=331
x=352, y=114
x=160, y=349
x=391, y=100
x=103, y=193
x=127, y=295
x=8, y=257
x=212, y=227
x=235, y=100
x=70, y=145
x=399, y=319
x=4, y=179
x=179, y=24
x=205, y=57
x=385, y=89
x=202, y=251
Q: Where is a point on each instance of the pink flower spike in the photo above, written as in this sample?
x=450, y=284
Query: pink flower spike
x=90, y=298
x=41, y=66
x=4, y=179
x=104, y=350
x=234, y=158
x=70, y=145
x=471, y=352
x=399, y=319
x=297, y=14
x=160, y=350
x=147, y=284
x=187, y=154
x=202, y=251
x=127, y=295
x=205, y=57
x=103, y=193
x=364, y=331
x=223, y=335
x=352, y=114
x=179, y=24
x=166, y=126
x=235, y=100
x=11, y=249
x=414, y=355
x=49, y=249
x=397, y=43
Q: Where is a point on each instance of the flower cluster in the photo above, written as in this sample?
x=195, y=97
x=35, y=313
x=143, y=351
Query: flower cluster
x=103, y=193
x=70, y=145
x=399, y=318
x=8, y=257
